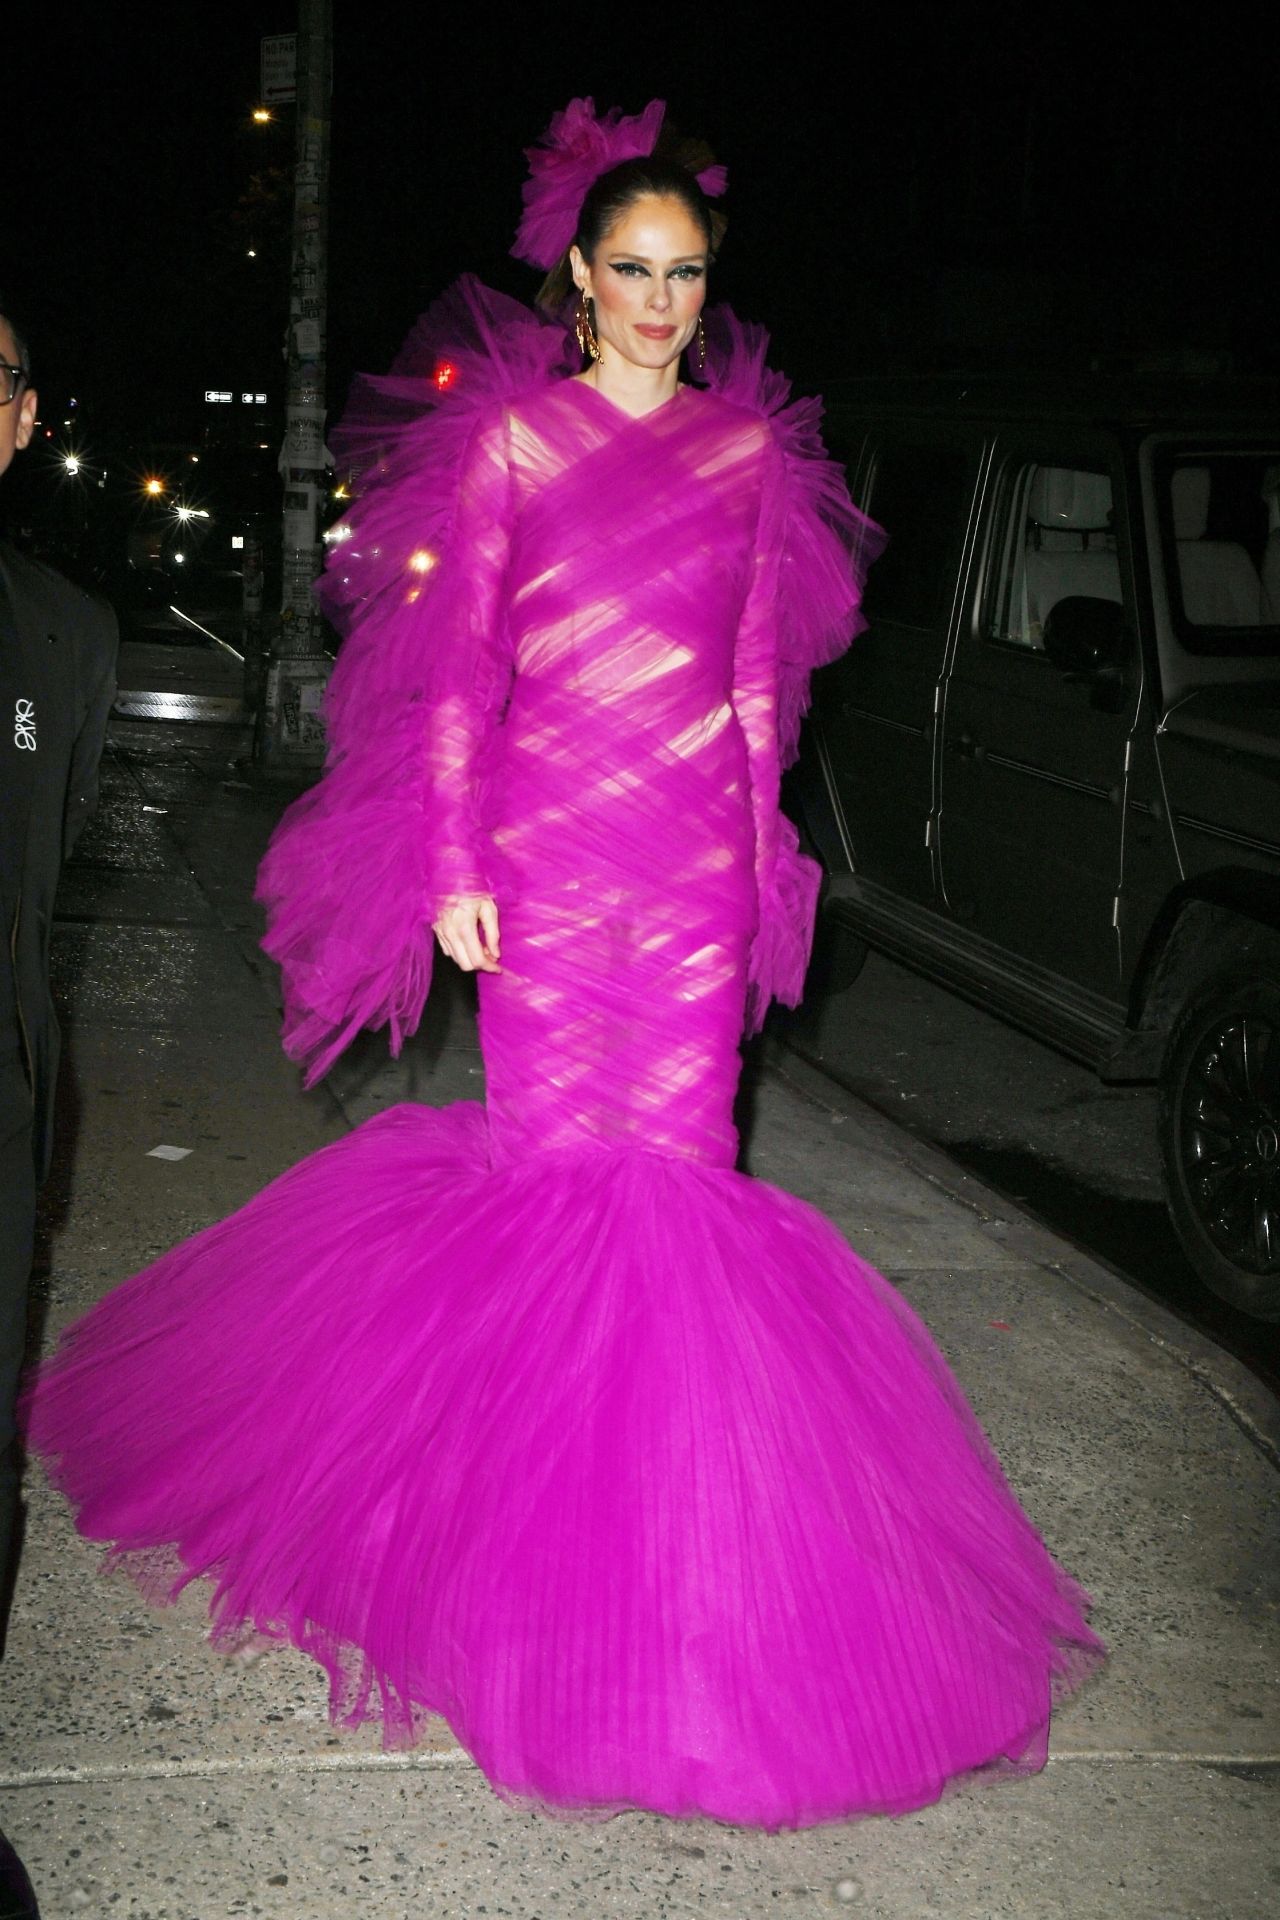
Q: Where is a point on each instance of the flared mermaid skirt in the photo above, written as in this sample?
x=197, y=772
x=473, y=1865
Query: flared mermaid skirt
x=625, y=1464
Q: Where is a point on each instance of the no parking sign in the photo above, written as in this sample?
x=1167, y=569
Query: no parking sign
x=279, y=68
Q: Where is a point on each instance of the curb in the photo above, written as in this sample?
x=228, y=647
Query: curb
x=1250, y=1404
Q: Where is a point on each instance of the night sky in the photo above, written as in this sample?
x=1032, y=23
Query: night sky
x=951, y=186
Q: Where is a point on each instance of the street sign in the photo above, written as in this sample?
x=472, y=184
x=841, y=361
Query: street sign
x=279, y=68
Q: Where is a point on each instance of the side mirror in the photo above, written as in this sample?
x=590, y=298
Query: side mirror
x=1084, y=637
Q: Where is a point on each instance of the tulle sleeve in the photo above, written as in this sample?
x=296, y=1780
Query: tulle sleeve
x=803, y=608
x=359, y=866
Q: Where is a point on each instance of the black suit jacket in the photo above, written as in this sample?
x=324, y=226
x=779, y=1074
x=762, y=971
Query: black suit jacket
x=58, y=674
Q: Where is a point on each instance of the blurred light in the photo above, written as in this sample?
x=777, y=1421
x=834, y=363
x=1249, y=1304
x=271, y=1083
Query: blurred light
x=445, y=375
x=262, y=447
x=71, y=463
x=153, y=486
x=196, y=458
x=253, y=253
x=237, y=541
x=179, y=557
x=340, y=492
x=422, y=561
x=336, y=535
x=262, y=116
x=183, y=513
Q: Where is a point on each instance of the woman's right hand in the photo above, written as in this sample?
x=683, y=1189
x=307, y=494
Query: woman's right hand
x=467, y=930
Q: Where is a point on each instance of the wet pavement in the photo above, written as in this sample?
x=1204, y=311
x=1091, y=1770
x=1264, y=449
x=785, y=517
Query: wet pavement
x=142, y=1775
x=182, y=663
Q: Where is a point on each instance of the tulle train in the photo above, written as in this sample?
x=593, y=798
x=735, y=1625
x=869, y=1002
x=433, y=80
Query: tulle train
x=625, y=1464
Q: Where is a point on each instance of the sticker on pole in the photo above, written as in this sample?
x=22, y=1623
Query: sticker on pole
x=279, y=68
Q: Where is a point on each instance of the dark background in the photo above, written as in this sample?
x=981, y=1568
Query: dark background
x=951, y=186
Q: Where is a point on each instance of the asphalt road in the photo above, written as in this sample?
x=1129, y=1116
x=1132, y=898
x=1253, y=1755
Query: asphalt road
x=1038, y=1127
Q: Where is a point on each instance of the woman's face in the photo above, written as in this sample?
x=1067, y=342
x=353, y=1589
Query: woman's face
x=648, y=281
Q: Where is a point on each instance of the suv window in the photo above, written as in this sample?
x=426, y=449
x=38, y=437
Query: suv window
x=1053, y=540
x=1220, y=512
x=920, y=495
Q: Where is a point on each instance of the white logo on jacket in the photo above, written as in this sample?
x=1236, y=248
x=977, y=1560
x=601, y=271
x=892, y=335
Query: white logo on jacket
x=24, y=725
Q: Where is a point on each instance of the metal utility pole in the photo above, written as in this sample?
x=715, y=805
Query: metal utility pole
x=292, y=735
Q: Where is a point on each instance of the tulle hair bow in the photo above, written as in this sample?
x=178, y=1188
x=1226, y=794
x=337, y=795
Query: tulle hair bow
x=574, y=151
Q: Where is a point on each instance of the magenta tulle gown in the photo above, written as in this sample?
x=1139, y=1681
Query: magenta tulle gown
x=540, y=1415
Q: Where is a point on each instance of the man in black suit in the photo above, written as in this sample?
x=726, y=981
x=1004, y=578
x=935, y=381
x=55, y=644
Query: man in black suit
x=57, y=681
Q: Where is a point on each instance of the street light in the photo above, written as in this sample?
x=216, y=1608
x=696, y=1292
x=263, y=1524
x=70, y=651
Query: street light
x=153, y=487
x=262, y=116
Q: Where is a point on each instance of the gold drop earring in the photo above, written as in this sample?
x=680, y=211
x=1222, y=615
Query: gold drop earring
x=587, y=342
x=702, y=346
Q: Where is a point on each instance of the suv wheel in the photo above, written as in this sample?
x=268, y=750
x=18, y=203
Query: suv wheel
x=1220, y=1138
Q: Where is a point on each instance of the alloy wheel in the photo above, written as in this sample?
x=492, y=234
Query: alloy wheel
x=1229, y=1136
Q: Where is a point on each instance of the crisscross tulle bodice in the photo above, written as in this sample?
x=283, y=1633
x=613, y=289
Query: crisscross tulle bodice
x=618, y=804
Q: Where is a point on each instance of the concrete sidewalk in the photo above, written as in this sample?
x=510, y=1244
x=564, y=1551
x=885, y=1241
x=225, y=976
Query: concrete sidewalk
x=143, y=1776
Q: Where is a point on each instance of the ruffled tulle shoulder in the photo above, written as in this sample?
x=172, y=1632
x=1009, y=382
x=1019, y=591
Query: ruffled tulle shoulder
x=354, y=869
x=828, y=543
x=403, y=438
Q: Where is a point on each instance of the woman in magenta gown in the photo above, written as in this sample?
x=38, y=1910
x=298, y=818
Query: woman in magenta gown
x=539, y=1415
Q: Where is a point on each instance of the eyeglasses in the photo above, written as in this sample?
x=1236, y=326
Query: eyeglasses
x=12, y=379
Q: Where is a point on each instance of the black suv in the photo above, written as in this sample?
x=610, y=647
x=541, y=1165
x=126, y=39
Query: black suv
x=1049, y=774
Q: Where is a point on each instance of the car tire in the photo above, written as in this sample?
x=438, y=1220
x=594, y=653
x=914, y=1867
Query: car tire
x=1219, y=1123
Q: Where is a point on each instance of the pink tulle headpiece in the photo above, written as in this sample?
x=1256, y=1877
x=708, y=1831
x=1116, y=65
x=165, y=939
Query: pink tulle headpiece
x=570, y=157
